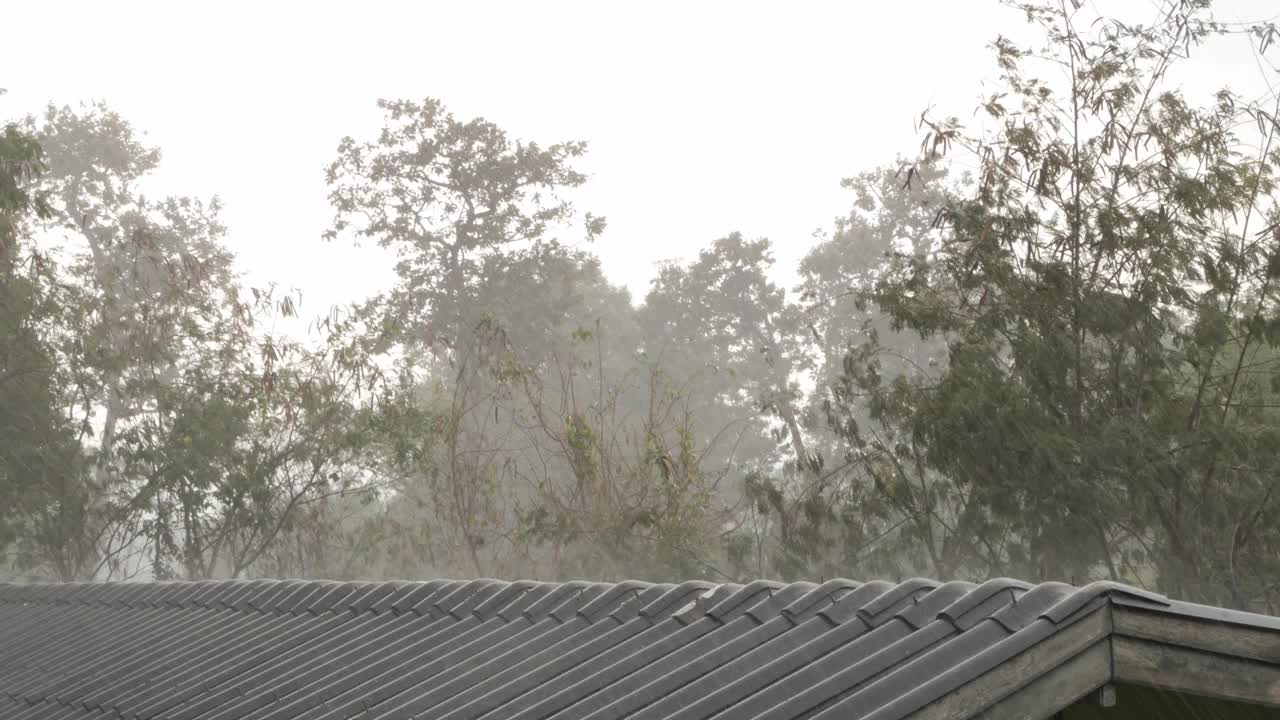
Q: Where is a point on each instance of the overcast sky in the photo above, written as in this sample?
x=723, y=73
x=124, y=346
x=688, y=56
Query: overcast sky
x=701, y=118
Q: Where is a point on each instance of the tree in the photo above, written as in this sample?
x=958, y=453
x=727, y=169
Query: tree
x=1106, y=295
x=39, y=457
x=446, y=195
x=450, y=197
x=138, y=280
x=737, y=342
x=242, y=442
x=536, y=437
x=893, y=215
x=734, y=329
x=872, y=508
x=625, y=486
x=171, y=433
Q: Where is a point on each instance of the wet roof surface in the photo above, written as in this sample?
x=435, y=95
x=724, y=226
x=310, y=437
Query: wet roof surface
x=465, y=650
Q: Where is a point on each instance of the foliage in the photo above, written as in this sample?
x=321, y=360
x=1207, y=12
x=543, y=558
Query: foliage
x=37, y=445
x=1106, y=296
x=547, y=442
x=1045, y=348
x=175, y=437
x=447, y=196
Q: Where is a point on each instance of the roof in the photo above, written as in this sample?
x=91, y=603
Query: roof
x=489, y=649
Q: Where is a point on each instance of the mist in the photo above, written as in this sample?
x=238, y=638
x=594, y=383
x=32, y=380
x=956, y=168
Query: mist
x=938, y=289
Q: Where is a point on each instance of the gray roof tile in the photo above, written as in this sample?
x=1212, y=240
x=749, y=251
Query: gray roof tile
x=493, y=650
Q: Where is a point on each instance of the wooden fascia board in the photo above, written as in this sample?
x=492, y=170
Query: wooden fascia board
x=1196, y=656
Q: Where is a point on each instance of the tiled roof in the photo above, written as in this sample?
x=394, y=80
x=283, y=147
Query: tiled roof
x=464, y=650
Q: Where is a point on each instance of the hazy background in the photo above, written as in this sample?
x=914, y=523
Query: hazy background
x=701, y=118
x=810, y=342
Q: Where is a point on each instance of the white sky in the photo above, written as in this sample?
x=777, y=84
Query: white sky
x=702, y=118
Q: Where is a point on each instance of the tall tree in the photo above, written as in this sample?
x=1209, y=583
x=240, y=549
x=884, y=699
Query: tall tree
x=454, y=200
x=40, y=499
x=740, y=346
x=736, y=329
x=185, y=438
x=143, y=281
x=873, y=509
x=1107, y=296
x=544, y=442
x=447, y=195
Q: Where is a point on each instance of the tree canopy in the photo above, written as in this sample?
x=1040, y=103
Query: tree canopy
x=1044, y=345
